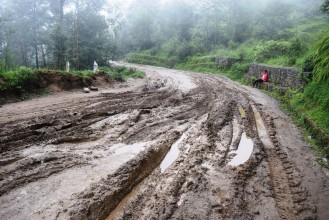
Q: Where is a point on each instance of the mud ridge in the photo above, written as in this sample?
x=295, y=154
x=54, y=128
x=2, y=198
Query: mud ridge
x=286, y=180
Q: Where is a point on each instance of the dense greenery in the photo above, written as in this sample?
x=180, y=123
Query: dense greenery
x=122, y=73
x=325, y=6
x=19, y=78
x=321, y=60
x=179, y=30
x=48, y=33
x=25, y=78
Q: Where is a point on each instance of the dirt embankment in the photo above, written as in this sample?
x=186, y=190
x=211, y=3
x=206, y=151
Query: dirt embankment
x=174, y=145
x=52, y=82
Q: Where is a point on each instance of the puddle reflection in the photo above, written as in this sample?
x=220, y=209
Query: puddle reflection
x=172, y=155
x=243, y=152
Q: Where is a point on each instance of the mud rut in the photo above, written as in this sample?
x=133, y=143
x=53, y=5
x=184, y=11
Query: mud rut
x=102, y=157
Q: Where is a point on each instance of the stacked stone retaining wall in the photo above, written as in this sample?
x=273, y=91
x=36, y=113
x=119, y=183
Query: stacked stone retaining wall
x=281, y=76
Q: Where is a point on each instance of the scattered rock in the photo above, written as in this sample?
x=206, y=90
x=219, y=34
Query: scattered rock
x=93, y=88
x=86, y=90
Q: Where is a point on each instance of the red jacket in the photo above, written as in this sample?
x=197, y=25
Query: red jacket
x=265, y=77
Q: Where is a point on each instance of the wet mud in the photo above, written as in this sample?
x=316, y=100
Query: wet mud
x=174, y=145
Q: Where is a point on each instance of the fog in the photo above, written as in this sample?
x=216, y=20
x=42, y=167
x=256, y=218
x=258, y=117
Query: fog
x=47, y=33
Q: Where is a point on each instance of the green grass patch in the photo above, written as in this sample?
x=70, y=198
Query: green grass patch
x=146, y=59
x=310, y=111
x=23, y=77
x=122, y=73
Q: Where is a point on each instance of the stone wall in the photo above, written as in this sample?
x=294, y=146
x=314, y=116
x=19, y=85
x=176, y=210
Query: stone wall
x=281, y=76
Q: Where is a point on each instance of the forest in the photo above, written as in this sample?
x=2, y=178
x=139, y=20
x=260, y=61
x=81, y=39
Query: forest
x=183, y=34
x=47, y=33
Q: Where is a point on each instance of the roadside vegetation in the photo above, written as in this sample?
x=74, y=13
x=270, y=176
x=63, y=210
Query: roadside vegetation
x=26, y=81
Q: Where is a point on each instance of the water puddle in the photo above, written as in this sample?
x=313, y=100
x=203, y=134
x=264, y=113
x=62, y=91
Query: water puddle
x=172, y=155
x=243, y=152
x=118, y=210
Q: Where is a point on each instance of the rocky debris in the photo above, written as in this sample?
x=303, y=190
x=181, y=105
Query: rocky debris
x=94, y=88
x=86, y=90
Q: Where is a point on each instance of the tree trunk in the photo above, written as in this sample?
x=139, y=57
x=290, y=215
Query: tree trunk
x=43, y=56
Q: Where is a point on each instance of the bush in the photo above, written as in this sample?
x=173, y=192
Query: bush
x=321, y=60
x=308, y=64
x=146, y=60
x=274, y=49
x=84, y=73
x=271, y=49
x=24, y=78
x=122, y=73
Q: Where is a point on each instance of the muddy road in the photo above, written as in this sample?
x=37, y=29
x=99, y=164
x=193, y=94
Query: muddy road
x=174, y=145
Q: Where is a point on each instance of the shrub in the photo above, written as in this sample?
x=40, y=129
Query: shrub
x=308, y=64
x=271, y=49
x=122, y=73
x=146, y=60
x=23, y=77
x=321, y=60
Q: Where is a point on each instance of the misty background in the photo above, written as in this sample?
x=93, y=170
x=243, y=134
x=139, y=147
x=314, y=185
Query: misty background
x=47, y=33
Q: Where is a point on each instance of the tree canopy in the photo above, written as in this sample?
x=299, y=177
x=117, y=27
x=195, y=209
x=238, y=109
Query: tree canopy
x=47, y=33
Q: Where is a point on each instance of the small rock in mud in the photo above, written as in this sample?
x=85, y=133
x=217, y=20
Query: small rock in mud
x=86, y=90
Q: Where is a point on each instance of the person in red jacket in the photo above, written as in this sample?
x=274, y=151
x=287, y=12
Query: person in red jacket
x=261, y=80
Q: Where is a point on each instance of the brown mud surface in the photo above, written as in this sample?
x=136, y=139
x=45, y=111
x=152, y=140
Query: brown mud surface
x=174, y=145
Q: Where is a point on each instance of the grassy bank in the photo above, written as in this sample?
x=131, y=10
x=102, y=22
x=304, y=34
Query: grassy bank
x=23, y=81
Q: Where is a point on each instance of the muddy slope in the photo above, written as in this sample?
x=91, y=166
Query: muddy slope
x=175, y=145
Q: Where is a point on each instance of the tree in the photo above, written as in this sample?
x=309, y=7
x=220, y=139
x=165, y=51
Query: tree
x=325, y=7
x=58, y=34
x=90, y=34
x=273, y=18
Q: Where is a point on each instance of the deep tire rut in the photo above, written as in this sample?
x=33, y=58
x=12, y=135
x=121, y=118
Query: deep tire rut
x=102, y=156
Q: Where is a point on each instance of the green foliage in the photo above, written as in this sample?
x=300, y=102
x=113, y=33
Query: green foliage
x=308, y=64
x=143, y=58
x=122, y=73
x=272, y=49
x=311, y=109
x=59, y=42
x=23, y=78
x=83, y=73
x=2, y=66
x=318, y=96
x=321, y=60
x=325, y=7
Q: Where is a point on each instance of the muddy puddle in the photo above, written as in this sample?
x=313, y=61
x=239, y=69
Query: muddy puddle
x=118, y=210
x=172, y=154
x=162, y=150
x=243, y=152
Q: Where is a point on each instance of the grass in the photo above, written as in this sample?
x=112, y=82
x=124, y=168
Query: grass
x=310, y=110
x=23, y=77
x=122, y=73
x=23, y=82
